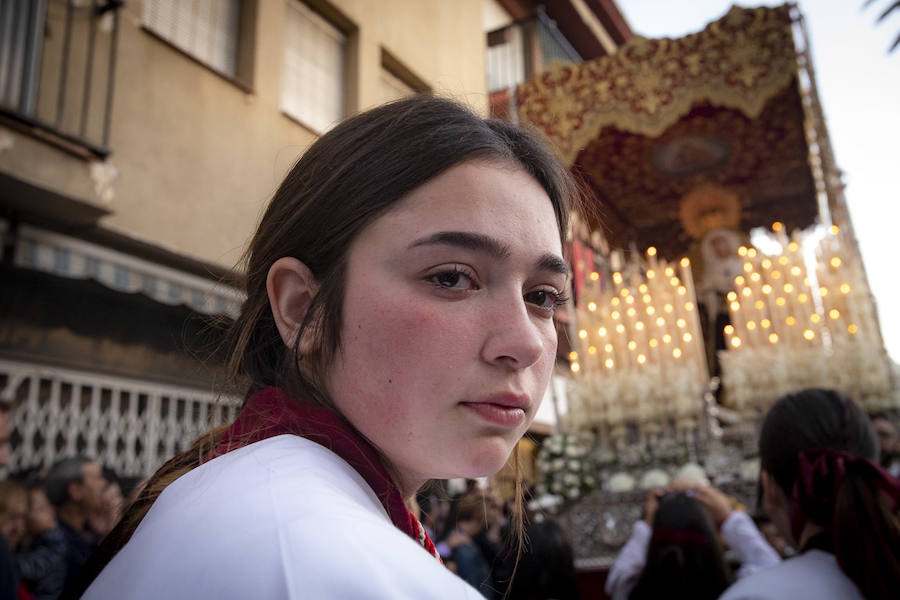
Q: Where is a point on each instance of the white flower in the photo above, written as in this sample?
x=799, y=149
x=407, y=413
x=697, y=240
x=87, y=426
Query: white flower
x=606, y=456
x=570, y=479
x=654, y=478
x=559, y=464
x=574, y=465
x=572, y=493
x=692, y=473
x=589, y=481
x=750, y=470
x=574, y=451
x=556, y=487
x=620, y=482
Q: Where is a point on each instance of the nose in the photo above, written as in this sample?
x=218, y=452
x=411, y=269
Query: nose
x=514, y=338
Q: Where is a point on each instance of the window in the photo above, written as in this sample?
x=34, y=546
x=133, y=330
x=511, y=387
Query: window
x=392, y=87
x=56, y=71
x=21, y=44
x=396, y=80
x=505, y=58
x=312, y=87
x=208, y=30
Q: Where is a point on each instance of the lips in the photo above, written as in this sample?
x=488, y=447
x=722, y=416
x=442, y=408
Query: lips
x=504, y=410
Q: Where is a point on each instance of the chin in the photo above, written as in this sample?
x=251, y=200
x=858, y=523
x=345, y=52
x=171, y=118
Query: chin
x=483, y=459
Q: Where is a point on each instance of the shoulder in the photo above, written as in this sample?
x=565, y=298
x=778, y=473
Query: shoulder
x=813, y=574
x=282, y=518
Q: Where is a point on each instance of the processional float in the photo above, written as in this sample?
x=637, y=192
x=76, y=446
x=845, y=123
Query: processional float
x=719, y=272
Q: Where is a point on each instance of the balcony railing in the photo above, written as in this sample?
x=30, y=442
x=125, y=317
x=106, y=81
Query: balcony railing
x=519, y=51
x=57, y=69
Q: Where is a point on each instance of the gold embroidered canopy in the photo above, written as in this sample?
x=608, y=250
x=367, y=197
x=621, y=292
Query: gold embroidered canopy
x=657, y=126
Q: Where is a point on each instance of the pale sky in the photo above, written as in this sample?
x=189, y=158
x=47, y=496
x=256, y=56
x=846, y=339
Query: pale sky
x=859, y=86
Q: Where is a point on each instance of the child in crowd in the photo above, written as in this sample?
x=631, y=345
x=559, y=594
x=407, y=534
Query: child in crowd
x=42, y=558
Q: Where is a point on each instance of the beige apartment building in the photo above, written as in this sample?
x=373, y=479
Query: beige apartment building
x=139, y=142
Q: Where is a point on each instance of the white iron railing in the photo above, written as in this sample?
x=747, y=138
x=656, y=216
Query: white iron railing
x=130, y=425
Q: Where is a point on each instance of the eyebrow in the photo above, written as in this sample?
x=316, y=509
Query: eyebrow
x=490, y=246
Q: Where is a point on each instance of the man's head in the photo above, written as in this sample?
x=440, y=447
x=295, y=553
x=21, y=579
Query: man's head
x=77, y=482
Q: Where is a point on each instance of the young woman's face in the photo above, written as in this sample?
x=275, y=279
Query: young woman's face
x=448, y=340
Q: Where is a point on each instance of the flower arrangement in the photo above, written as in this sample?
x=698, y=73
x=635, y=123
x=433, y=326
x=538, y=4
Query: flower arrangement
x=564, y=466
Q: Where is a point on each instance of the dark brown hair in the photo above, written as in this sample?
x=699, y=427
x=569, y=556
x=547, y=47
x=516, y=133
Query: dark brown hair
x=864, y=530
x=684, y=553
x=346, y=180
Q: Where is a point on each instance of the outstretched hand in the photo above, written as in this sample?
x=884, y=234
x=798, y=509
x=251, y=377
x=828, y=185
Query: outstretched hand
x=652, y=504
x=717, y=503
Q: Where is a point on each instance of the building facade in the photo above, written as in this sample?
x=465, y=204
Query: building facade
x=139, y=142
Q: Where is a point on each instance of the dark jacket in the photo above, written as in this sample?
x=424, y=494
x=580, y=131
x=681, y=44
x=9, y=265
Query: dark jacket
x=43, y=566
x=9, y=579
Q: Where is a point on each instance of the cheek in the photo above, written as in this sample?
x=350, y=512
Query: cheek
x=395, y=351
x=548, y=358
x=397, y=338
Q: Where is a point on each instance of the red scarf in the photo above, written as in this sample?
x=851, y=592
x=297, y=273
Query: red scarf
x=272, y=412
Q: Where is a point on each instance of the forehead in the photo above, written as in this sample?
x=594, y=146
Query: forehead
x=92, y=469
x=497, y=199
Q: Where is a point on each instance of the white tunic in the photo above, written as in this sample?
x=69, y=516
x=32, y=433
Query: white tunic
x=280, y=518
x=813, y=574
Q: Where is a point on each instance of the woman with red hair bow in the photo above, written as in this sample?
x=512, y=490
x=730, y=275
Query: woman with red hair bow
x=825, y=494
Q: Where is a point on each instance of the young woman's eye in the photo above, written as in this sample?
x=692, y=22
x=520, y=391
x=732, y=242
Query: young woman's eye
x=548, y=300
x=452, y=279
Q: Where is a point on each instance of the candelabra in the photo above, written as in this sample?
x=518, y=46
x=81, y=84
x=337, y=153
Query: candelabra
x=802, y=316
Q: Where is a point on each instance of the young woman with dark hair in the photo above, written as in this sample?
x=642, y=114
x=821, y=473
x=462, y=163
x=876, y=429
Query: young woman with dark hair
x=825, y=494
x=682, y=555
x=398, y=327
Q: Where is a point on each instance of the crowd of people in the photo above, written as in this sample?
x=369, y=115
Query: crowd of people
x=51, y=522
x=398, y=328
x=475, y=532
x=833, y=508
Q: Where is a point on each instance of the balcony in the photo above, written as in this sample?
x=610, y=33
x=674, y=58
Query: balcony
x=519, y=51
x=57, y=71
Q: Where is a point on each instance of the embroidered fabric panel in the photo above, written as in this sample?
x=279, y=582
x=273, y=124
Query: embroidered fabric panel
x=739, y=61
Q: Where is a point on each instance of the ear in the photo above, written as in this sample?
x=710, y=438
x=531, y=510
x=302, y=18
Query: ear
x=291, y=287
